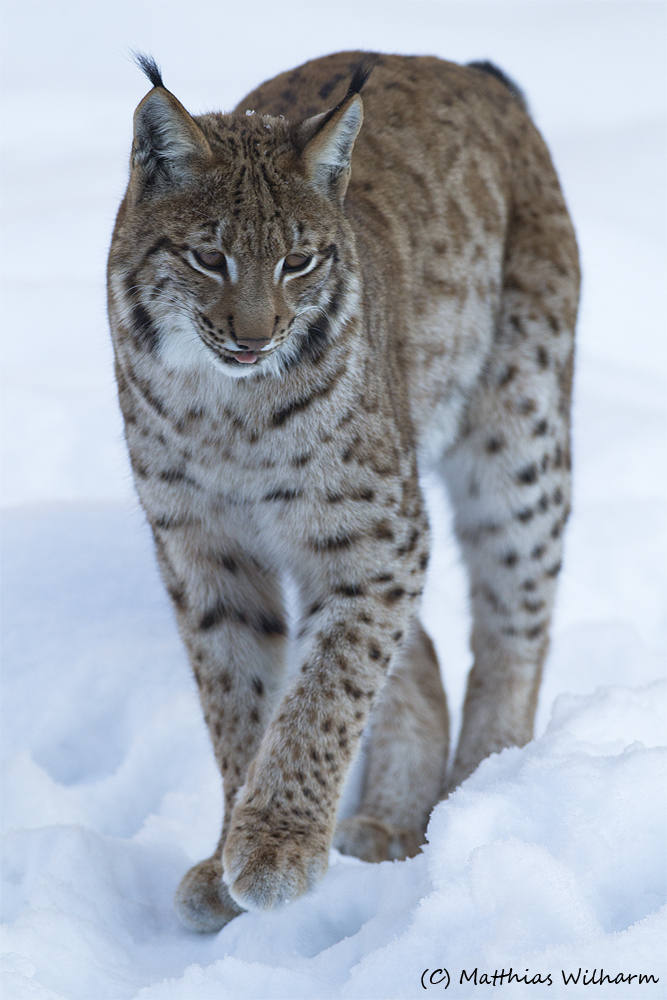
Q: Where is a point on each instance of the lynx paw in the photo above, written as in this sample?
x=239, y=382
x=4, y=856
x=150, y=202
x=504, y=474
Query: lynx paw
x=267, y=865
x=202, y=901
x=371, y=839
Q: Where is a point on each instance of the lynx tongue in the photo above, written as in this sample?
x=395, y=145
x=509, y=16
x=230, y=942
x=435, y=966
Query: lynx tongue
x=246, y=358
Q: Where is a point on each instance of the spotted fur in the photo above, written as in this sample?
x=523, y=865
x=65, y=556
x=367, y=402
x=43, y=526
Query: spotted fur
x=305, y=312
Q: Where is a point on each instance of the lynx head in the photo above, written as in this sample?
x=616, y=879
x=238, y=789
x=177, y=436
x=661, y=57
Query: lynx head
x=231, y=246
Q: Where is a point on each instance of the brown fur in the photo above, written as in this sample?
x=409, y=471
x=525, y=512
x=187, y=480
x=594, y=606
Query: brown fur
x=434, y=328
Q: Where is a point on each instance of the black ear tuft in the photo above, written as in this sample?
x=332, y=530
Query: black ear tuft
x=362, y=72
x=148, y=66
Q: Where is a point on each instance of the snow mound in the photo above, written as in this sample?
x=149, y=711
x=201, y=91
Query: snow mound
x=549, y=858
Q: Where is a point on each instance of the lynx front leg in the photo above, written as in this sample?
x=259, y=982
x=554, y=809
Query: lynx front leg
x=230, y=613
x=283, y=823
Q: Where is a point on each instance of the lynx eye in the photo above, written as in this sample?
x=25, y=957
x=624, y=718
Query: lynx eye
x=296, y=261
x=211, y=258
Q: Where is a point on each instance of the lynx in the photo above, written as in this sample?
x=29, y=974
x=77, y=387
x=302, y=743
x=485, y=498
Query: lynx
x=306, y=312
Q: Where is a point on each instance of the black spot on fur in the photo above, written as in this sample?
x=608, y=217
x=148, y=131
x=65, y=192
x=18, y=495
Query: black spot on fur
x=327, y=89
x=295, y=406
x=383, y=532
x=176, y=476
x=302, y=403
x=350, y=590
x=331, y=252
x=138, y=467
x=333, y=543
x=144, y=331
x=364, y=494
x=313, y=345
x=350, y=451
x=352, y=691
x=507, y=375
x=213, y=616
x=411, y=543
x=167, y=523
x=528, y=475
x=177, y=595
x=333, y=306
x=227, y=562
x=225, y=682
x=270, y=625
x=283, y=495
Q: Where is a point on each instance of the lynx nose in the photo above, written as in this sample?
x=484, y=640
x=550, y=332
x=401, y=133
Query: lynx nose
x=253, y=345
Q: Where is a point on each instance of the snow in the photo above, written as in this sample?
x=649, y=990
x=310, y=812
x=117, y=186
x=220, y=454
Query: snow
x=549, y=857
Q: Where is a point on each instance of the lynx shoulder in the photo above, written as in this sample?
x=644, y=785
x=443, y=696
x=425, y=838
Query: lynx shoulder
x=311, y=299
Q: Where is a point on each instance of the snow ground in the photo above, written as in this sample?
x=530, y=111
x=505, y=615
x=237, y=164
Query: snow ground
x=548, y=858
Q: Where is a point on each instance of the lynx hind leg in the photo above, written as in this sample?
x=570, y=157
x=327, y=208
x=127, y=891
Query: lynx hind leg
x=406, y=762
x=509, y=481
x=202, y=901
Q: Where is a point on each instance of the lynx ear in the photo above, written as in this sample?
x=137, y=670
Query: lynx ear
x=327, y=142
x=168, y=144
